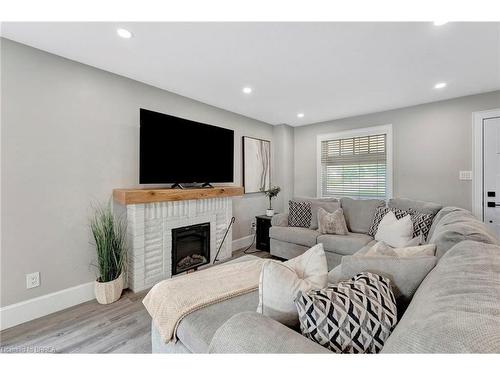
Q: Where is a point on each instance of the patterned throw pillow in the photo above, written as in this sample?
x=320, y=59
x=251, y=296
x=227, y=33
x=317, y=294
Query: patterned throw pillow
x=299, y=214
x=332, y=223
x=421, y=222
x=355, y=316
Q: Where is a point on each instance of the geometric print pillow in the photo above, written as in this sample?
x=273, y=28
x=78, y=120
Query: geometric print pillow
x=421, y=222
x=354, y=316
x=299, y=214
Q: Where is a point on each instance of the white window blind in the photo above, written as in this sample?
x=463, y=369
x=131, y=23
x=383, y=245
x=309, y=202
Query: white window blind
x=354, y=167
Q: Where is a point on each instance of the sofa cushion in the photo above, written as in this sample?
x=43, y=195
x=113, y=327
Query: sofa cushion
x=346, y=244
x=279, y=220
x=280, y=282
x=359, y=213
x=196, y=330
x=421, y=206
x=456, y=308
x=286, y=250
x=296, y=235
x=442, y=213
x=405, y=274
x=255, y=333
x=457, y=226
x=335, y=275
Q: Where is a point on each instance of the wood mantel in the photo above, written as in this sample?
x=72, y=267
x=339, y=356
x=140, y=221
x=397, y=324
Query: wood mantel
x=138, y=196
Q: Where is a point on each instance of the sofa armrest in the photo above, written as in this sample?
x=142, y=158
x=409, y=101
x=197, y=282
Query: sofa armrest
x=251, y=332
x=335, y=275
x=279, y=220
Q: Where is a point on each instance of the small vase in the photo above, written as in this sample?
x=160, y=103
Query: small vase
x=269, y=212
x=110, y=291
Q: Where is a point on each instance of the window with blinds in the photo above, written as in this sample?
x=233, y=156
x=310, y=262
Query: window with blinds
x=354, y=167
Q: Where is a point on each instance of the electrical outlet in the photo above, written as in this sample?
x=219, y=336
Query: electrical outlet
x=32, y=280
x=253, y=226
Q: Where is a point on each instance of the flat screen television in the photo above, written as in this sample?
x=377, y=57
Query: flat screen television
x=177, y=150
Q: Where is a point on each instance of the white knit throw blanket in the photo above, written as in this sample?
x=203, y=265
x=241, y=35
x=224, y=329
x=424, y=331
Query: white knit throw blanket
x=171, y=300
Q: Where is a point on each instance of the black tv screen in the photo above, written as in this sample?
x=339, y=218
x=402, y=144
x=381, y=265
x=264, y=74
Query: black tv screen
x=177, y=150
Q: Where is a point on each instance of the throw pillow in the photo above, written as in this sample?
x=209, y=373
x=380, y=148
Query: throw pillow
x=299, y=214
x=329, y=206
x=394, y=232
x=416, y=251
x=422, y=222
x=332, y=223
x=381, y=249
x=355, y=316
x=379, y=215
x=280, y=282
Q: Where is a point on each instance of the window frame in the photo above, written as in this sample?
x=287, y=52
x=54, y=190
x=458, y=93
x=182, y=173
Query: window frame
x=359, y=132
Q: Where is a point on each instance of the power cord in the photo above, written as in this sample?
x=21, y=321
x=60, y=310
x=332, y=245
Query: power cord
x=248, y=248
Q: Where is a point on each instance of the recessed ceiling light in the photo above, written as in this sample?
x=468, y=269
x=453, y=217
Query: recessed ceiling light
x=440, y=85
x=124, y=33
x=247, y=90
x=300, y=115
x=440, y=23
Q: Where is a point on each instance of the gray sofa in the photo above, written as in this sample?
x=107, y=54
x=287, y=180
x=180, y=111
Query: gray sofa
x=289, y=242
x=456, y=309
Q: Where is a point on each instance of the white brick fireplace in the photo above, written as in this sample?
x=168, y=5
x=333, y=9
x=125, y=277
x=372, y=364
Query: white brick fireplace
x=149, y=234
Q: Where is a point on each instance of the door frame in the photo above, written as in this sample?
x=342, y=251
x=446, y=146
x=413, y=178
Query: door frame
x=477, y=158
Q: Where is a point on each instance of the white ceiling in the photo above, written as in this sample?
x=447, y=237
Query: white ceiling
x=325, y=70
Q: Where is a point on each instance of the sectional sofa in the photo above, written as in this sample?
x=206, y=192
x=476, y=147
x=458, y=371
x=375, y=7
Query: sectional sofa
x=289, y=242
x=456, y=309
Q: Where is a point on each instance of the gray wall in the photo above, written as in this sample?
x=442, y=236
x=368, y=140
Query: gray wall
x=69, y=136
x=432, y=143
x=283, y=156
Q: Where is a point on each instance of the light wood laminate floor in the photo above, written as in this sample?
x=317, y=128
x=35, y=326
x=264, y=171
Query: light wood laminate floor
x=121, y=327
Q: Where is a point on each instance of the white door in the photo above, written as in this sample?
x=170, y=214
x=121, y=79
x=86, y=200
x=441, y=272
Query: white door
x=491, y=173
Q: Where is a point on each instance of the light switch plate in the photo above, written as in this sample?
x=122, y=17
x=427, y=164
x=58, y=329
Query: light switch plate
x=32, y=280
x=465, y=175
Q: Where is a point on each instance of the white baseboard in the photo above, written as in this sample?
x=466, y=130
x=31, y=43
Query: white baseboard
x=242, y=242
x=25, y=311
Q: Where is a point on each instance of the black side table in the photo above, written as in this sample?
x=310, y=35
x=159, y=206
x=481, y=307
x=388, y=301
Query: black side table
x=262, y=235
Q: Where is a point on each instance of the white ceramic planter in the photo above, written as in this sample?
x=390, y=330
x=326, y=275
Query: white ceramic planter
x=110, y=291
x=269, y=212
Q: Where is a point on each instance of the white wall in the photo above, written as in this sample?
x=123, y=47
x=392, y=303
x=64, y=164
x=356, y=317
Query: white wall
x=432, y=143
x=69, y=137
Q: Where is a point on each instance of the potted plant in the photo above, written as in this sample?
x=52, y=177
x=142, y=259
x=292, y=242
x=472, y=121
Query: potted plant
x=271, y=194
x=109, y=239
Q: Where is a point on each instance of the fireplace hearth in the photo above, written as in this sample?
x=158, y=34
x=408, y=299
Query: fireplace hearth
x=190, y=247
